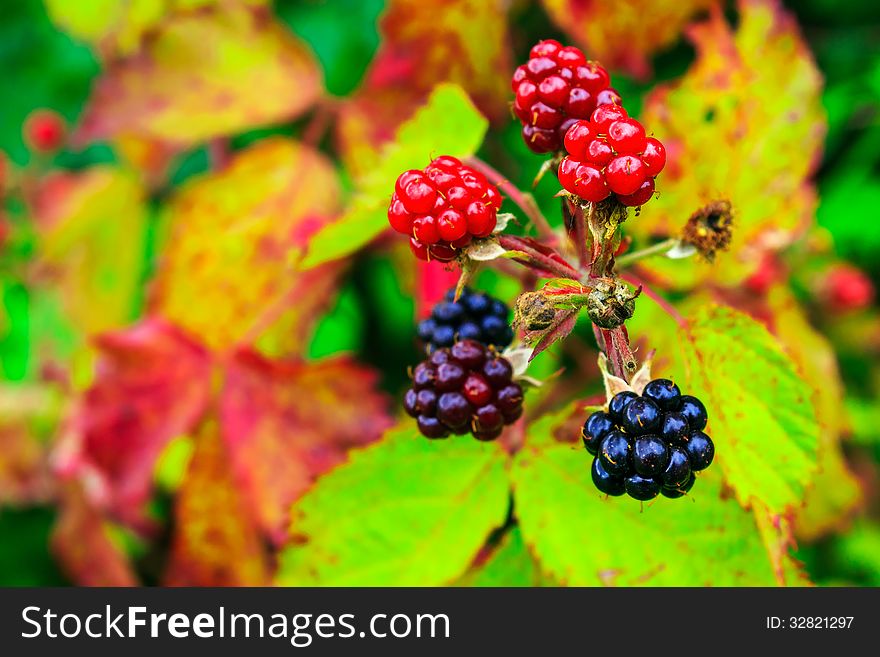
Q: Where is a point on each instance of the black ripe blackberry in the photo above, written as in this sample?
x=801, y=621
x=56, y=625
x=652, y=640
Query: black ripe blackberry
x=643, y=445
x=475, y=316
x=465, y=388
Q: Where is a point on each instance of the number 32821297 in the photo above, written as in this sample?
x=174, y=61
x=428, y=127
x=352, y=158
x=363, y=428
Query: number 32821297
x=810, y=622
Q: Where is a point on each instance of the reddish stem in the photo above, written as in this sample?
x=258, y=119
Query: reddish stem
x=545, y=262
x=614, y=355
x=317, y=127
x=514, y=437
x=649, y=292
x=218, y=152
x=524, y=201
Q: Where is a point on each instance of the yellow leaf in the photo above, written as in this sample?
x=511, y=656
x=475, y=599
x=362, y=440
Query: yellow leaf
x=204, y=75
x=230, y=234
x=91, y=228
x=746, y=124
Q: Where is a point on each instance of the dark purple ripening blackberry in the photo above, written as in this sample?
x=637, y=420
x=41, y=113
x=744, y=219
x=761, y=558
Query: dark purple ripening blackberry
x=643, y=445
x=475, y=316
x=465, y=388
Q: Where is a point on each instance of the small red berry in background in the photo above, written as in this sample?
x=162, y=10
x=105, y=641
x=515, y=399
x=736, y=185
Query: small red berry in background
x=44, y=131
x=611, y=154
x=769, y=271
x=443, y=207
x=556, y=87
x=847, y=288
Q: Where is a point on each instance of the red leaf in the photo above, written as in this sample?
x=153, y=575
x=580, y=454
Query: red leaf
x=204, y=74
x=216, y=542
x=152, y=383
x=563, y=324
x=82, y=543
x=286, y=422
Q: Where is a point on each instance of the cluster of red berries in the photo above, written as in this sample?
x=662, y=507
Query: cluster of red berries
x=466, y=388
x=555, y=88
x=443, y=207
x=610, y=154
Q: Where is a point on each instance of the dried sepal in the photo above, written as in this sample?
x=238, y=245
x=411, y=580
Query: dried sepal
x=502, y=220
x=484, y=249
x=614, y=384
x=710, y=229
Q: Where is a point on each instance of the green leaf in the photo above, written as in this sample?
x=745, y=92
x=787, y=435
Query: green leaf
x=761, y=412
x=448, y=124
x=761, y=408
x=509, y=564
x=404, y=512
x=583, y=538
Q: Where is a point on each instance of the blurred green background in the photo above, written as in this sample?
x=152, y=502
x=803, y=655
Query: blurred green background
x=43, y=67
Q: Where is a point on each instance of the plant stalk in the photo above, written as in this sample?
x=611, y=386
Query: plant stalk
x=661, y=247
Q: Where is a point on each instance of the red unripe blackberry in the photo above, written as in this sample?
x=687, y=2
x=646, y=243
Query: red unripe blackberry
x=44, y=131
x=466, y=387
x=611, y=154
x=556, y=86
x=443, y=207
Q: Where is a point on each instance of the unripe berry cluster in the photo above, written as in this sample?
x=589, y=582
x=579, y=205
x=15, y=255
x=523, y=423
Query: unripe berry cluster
x=649, y=444
x=610, y=154
x=443, y=207
x=475, y=316
x=553, y=89
x=466, y=388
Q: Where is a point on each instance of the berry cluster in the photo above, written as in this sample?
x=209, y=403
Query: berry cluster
x=464, y=388
x=650, y=444
x=443, y=207
x=608, y=154
x=553, y=89
x=475, y=316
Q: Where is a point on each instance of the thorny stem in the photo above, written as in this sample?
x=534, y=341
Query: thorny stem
x=561, y=269
x=649, y=292
x=524, y=201
x=661, y=247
